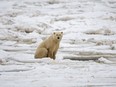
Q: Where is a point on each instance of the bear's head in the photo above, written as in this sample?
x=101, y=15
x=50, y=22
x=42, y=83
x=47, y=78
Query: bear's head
x=57, y=36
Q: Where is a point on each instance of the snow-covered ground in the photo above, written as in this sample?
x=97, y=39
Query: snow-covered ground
x=89, y=28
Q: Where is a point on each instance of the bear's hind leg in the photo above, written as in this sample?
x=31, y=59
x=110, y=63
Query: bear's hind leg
x=41, y=52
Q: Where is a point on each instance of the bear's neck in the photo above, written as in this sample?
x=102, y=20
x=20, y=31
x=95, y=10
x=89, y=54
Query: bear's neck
x=56, y=41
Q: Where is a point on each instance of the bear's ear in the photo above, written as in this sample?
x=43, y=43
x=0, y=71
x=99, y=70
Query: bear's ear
x=61, y=32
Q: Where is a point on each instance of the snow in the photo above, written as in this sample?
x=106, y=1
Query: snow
x=89, y=34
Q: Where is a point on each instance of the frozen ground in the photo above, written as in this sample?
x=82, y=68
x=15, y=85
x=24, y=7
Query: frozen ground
x=89, y=28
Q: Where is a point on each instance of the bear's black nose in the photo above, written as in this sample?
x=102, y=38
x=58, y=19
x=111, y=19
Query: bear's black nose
x=58, y=37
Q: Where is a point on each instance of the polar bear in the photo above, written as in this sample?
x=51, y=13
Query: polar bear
x=49, y=47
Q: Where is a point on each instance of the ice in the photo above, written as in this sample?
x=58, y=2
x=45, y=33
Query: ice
x=87, y=53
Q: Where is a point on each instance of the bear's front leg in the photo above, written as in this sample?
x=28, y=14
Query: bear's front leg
x=54, y=55
x=50, y=54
